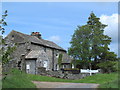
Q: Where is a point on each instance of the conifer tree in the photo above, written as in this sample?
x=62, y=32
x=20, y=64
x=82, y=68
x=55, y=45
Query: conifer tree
x=99, y=41
x=89, y=42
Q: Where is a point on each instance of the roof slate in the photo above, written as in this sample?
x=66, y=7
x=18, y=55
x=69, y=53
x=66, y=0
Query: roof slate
x=67, y=59
x=36, y=40
x=35, y=54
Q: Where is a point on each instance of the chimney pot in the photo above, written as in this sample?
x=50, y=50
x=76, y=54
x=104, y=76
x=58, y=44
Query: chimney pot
x=37, y=34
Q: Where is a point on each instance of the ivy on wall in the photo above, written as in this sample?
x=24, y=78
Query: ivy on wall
x=60, y=59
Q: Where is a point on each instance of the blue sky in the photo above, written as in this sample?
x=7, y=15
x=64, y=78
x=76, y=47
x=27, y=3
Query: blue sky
x=56, y=21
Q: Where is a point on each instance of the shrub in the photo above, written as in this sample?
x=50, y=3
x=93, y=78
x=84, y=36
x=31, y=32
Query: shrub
x=74, y=70
x=108, y=66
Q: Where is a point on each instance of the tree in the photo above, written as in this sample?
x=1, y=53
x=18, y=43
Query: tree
x=108, y=56
x=108, y=66
x=2, y=30
x=80, y=43
x=3, y=22
x=5, y=51
x=89, y=42
x=108, y=62
x=99, y=41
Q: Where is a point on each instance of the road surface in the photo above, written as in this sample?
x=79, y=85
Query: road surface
x=64, y=85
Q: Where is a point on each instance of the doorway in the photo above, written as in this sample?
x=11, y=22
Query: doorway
x=31, y=66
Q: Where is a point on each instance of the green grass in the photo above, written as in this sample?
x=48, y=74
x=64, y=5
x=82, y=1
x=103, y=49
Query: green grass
x=105, y=80
x=98, y=78
x=17, y=79
x=46, y=78
x=113, y=84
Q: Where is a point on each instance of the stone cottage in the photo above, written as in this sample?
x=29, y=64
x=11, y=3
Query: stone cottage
x=32, y=52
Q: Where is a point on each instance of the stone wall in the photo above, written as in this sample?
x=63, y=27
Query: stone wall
x=49, y=53
x=17, y=60
x=56, y=55
x=8, y=66
x=65, y=75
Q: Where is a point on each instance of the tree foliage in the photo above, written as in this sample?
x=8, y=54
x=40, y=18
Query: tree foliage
x=6, y=54
x=3, y=22
x=80, y=45
x=2, y=30
x=5, y=50
x=99, y=41
x=82, y=64
x=89, y=42
x=108, y=66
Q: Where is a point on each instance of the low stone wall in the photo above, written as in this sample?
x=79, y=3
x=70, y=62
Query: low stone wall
x=65, y=75
x=76, y=76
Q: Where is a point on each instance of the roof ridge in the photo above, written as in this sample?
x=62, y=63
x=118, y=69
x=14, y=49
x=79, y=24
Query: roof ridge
x=20, y=33
x=34, y=39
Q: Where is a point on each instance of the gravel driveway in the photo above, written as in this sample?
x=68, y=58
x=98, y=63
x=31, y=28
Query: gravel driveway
x=64, y=85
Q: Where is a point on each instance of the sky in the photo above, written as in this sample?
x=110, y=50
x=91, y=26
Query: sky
x=57, y=21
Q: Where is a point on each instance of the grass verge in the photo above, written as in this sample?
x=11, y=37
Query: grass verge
x=98, y=78
x=17, y=79
x=113, y=84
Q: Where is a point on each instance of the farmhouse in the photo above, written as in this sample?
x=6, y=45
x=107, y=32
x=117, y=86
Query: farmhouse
x=32, y=52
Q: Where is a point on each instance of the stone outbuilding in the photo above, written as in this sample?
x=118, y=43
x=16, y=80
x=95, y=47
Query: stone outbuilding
x=33, y=52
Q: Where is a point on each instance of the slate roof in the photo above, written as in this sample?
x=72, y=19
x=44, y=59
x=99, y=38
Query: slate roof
x=36, y=40
x=35, y=54
x=66, y=59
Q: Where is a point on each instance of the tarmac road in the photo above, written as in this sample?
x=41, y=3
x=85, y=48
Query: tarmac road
x=64, y=85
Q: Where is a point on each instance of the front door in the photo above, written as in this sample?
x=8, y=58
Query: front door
x=30, y=66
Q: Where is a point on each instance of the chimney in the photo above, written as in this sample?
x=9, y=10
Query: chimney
x=37, y=34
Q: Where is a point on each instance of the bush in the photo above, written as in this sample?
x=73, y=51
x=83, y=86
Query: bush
x=108, y=66
x=73, y=70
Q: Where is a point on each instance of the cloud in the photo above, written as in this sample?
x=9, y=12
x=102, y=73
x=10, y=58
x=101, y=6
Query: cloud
x=111, y=30
x=55, y=39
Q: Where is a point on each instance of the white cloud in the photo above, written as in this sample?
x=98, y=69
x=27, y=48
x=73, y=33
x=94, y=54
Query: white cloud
x=111, y=30
x=55, y=39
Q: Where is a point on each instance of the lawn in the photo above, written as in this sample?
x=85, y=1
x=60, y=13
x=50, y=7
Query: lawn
x=112, y=84
x=98, y=78
x=19, y=79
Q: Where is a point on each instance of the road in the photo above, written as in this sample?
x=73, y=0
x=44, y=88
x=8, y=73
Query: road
x=64, y=85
